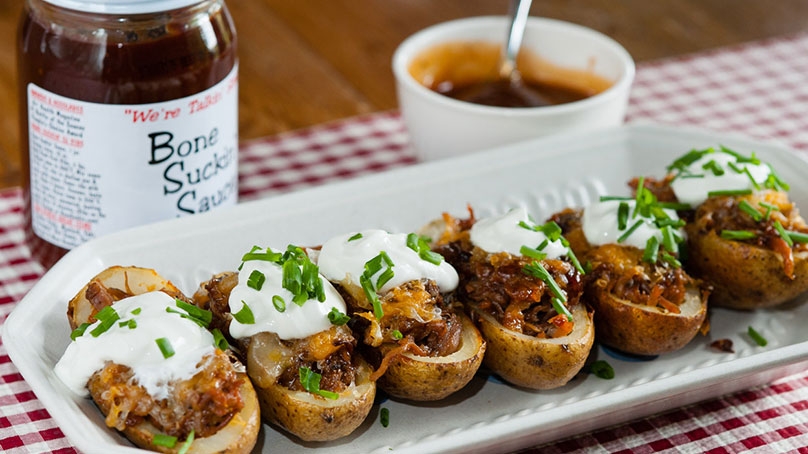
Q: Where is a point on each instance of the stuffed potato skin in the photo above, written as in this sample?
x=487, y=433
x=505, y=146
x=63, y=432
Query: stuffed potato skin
x=308, y=416
x=747, y=275
x=238, y=436
x=534, y=363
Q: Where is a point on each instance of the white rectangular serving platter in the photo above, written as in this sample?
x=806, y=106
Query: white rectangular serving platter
x=543, y=175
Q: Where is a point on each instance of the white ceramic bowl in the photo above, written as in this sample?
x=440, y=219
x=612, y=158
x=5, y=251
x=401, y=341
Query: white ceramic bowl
x=440, y=126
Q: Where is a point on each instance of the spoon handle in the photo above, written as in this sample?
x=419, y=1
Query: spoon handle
x=518, y=13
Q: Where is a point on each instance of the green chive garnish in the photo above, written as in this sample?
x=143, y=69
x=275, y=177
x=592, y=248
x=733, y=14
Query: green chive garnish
x=609, y=198
x=219, y=340
x=131, y=324
x=202, y=316
x=560, y=308
x=310, y=381
x=760, y=340
x=737, y=235
x=107, y=316
x=729, y=192
x=165, y=347
x=244, y=315
x=164, y=440
x=783, y=234
x=78, y=332
x=384, y=416
x=651, y=250
x=628, y=232
x=258, y=253
x=747, y=208
x=396, y=334
x=713, y=167
x=536, y=269
x=337, y=318
x=355, y=237
x=532, y=253
x=622, y=216
x=187, y=445
x=769, y=208
x=279, y=303
x=798, y=237
x=256, y=280
x=602, y=369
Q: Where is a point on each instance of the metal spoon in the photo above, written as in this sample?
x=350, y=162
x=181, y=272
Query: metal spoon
x=518, y=13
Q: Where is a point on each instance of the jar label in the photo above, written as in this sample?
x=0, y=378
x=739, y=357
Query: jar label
x=100, y=168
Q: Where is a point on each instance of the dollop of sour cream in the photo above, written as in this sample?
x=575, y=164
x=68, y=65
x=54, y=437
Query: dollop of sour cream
x=509, y=232
x=295, y=321
x=134, y=344
x=714, y=172
x=343, y=258
x=600, y=224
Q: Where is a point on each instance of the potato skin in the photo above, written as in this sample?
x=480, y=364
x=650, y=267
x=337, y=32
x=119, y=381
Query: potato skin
x=644, y=330
x=239, y=436
x=434, y=378
x=744, y=276
x=131, y=279
x=309, y=417
x=536, y=363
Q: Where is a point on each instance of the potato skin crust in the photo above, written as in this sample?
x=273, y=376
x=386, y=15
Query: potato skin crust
x=744, y=276
x=309, y=417
x=239, y=436
x=644, y=330
x=535, y=363
x=430, y=378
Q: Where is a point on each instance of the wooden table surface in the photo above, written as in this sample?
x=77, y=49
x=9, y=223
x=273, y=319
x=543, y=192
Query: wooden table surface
x=311, y=61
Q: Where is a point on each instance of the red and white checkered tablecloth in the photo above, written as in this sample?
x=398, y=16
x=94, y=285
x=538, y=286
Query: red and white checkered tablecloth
x=759, y=89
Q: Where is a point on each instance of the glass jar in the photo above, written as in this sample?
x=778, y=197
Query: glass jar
x=129, y=115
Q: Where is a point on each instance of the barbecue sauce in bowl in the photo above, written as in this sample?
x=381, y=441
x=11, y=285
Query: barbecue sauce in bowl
x=468, y=71
x=128, y=116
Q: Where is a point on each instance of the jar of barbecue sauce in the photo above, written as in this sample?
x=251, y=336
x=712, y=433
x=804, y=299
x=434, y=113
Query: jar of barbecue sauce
x=129, y=115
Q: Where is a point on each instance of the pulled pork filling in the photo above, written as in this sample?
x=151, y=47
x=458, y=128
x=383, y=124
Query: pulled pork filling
x=621, y=271
x=416, y=319
x=497, y=284
x=203, y=404
x=722, y=213
x=328, y=353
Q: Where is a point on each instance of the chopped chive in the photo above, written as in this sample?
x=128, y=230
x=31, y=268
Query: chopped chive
x=755, y=184
x=430, y=256
x=244, y=315
x=769, y=208
x=747, y=208
x=773, y=181
x=384, y=416
x=412, y=242
x=798, y=237
x=676, y=206
x=258, y=253
x=165, y=347
x=622, y=215
x=737, y=235
x=729, y=192
x=532, y=253
x=537, y=270
x=760, y=340
x=669, y=238
x=396, y=334
x=187, y=445
x=203, y=315
x=692, y=175
x=78, y=332
x=256, y=280
x=783, y=234
x=166, y=441
x=337, y=318
x=651, y=250
x=670, y=259
x=735, y=168
x=560, y=308
x=552, y=230
x=131, y=324
x=713, y=167
x=219, y=340
x=136, y=311
x=279, y=303
x=370, y=294
x=575, y=261
x=628, y=232
x=385, y=277
x=355, y=237
x=610, y=198
x=602, y=369
x=292, y=277
x=107, y=316
x=310, y=381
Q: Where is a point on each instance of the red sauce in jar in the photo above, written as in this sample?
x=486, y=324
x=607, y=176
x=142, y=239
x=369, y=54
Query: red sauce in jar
x=117, y=59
